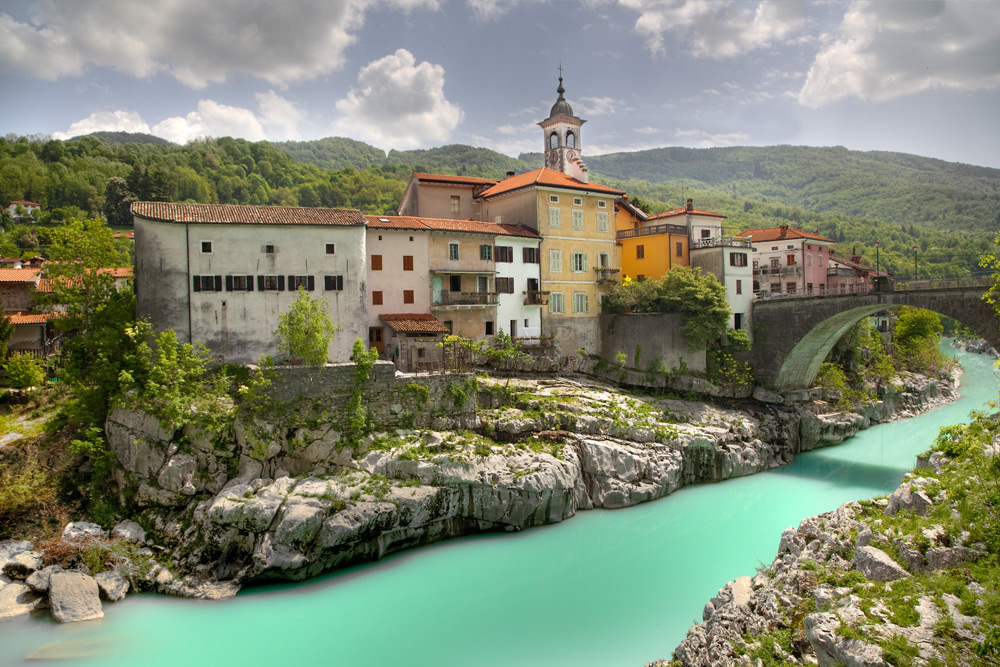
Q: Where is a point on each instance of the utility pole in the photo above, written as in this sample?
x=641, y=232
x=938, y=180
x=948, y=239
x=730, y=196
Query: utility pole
x=915, y=248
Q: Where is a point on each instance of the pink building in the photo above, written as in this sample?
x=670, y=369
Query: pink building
x=789, y=261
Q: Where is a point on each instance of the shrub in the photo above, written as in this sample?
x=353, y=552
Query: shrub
x=24, y=371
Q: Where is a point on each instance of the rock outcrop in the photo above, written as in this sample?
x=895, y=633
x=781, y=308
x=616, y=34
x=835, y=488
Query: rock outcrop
x=73, y=597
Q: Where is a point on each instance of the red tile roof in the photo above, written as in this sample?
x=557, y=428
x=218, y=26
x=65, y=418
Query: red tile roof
x=120, y=272
x=682, y=211
x=547, y=177
x=253, y=215
x=414, y=323
x=780, y=233
x=24, y=203
x=446, y=225
x=448, y=178
x=30, y=318
x=19, y=275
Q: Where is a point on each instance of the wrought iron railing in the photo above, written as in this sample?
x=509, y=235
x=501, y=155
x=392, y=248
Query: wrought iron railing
x=448, y=298
x=655, y=229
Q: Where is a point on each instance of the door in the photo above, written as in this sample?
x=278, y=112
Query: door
x=513, y=329
x=375, y=339
x=436, y=290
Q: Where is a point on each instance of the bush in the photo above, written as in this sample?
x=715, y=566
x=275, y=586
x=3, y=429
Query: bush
x=24, y=371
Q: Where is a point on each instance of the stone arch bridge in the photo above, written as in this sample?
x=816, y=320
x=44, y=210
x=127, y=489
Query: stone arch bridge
x=792, y=336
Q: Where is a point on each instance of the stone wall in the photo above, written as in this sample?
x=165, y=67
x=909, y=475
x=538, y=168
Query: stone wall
x=659, y=335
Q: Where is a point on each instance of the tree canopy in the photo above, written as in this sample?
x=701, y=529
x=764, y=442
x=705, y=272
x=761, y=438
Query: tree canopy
x=305, y=330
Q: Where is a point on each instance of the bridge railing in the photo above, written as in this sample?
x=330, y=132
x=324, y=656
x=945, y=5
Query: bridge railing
x=944, y=283
x=898, y=286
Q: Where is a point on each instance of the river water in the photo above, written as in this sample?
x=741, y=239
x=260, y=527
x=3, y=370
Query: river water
x=605, y=588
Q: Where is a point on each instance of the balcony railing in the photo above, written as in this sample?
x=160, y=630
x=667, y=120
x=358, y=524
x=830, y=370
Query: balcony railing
x=605, y=274
x=655, y=229
x=448, y=298
x=722, y=241
x=777, y=270
x=536, y=298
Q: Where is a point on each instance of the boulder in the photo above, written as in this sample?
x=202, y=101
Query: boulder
x=74, y=596
x=906, y=497
x=22, y=565
x=876, y=565
x=129, y=530
x=38, y=581
x=946, y=558
x=79, y=529
x=11, y=548
x=112, y=585
x=832, y=649
x=17, y=598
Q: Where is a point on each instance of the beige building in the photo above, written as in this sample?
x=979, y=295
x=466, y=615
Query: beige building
x=443, y=196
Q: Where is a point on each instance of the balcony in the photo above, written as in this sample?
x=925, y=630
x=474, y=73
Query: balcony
x=536, y=298
x=722, y=242
x=470, y=299
x=655, y=229
x=606, y=274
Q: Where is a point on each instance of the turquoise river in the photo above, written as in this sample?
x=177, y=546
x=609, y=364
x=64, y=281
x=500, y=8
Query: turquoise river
x=605, y=588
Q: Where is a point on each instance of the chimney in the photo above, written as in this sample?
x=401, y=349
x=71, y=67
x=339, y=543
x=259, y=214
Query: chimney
x=625, y=198
x=690, y=205
x=509, y=174
x=784, y=231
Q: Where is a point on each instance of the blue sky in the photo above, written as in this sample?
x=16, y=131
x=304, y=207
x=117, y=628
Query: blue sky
x=917, y=77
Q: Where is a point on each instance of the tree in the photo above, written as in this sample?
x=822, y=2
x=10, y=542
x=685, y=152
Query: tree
x=506, y=353
x=917, y=335
x=118, y=202
x=992, y=262
x=702, y=301
x=24, y=371
x=6, y=331
x=305, y=330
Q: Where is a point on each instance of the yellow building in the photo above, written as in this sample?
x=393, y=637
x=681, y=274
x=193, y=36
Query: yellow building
x=648, y=247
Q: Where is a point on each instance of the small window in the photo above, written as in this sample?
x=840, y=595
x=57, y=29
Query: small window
x=602, y=221
x=578, y=220
x=790, y=259
x=774, y=247
x=206, y=284
x=706, y=233
x=505, y=285
x=578, y=262
x=603, y=260
x=456, y=202
x=407, y=262
x=489, y=327
x=581, y=303
x=239, y=283
x=504, y=253
x=206, y=247
x=407, y=296
x=554, y=217
x=601, y=203
x=269, y=249
x=738, y=259
x=420, y=353
x=680, y=249
x=553, y=199
x=271, y=283
x=555, y=261
x=739, y=287
x=577, y=201
x=557, y=302
x=640, y=252
x=455, y=283
x=553, y=140
x=530, y=255
x=452, y=251
x=331, y=248
x=447, y=325
x=570, y=140
x=486, y=252
x=377, y=298
x=333, y=283
x=305, y=282
x=790, y=246
x=376, y=262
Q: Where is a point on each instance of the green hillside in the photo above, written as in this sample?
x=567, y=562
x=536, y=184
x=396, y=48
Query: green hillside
x=334, y=153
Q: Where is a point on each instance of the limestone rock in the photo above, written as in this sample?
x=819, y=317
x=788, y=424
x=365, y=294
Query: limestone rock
x=832, y=649
x=74, y=596
x=38, y=581
x=946, y=558
x=17, y=598
x=11, y=548
x=79, y=529
x=876, y=565
x=129, y=530
x=112, y=585
x=904, y=498
x=22, y=565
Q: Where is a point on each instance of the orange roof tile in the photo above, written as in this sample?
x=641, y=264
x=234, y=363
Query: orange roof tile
x=239, y=214
x=449, y=178
x=30, y=318
x=118, y=272
x=447, y=225
x=547, y=177
x=414, y=323
x=779, y=233
x=19, y=275
x=24, y=202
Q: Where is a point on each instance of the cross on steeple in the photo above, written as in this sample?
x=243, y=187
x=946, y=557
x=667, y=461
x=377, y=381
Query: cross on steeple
x=560, y=70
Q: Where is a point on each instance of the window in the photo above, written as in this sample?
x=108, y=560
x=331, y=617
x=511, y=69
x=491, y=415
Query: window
x=756, y=265
x=553, y=199
x=581, y=302
x=601, y=203
x=505, y=285
x=737, y=259
x=680, y=249
x=486, y=252
x=504, y=253
x=207, y=284
x=706, y=233
x=570, y=140
x=602, y=221
x=603, y=260
x=790, y=260
x=775, y=262
x=377, y=298
x=578, y=220
x=530, y=255
x=206, y=247
x=407, y=296
x=269, y=249
x=553, y=140
x=554, y=220
x=455, y=203
x=333, y=283
x=239, y=283
x=774, y=247
x=331, y=248
x=420, y=353
x=452, y=251
x=577, y=201
x=455, y=283
x=482, y=284
x=739, y=287
x=557, y=303
x=407, y=262
x=376, y=262
x=791, y=288
x=489, y=327
x=307, y=283
x=447, y=325
x=790, y=246
x=578, y=262
x=271, y=283
x=640, y=252
x=555, y=261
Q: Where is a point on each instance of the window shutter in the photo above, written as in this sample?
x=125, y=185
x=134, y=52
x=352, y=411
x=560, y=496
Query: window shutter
x=312, y=283
x=249, y=283
x=218, y=283
x=260, y=283
x=291, y=284
x=196, y=283
x=281, y=283
x=229, y=283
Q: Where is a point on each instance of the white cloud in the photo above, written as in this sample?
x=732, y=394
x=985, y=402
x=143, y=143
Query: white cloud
x=599, y=106
x=486, y=10
x=194, y=41
x=703, y=139
x=398, y=104
x=105, y=121
x=715, y=29
x=280, y=116
x=211, y=120
x=886, y=50
x=649, y=129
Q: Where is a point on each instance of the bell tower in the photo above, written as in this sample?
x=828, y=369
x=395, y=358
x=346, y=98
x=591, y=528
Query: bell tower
x=561, y=133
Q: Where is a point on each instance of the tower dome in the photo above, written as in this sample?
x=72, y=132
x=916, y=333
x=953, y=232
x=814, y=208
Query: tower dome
x=561, y=107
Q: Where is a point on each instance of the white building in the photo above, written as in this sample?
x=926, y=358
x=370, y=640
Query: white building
x=27, y=208
x=223, y=274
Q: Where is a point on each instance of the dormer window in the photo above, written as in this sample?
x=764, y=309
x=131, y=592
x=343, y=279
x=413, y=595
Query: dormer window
x=553, y=140
x=570, y=140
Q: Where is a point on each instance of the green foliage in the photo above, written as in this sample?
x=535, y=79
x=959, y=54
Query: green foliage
x=832, y=376
x=364, y=359
x=118, y=201
x=419, y=392
x=6, y=331
x=897, y=651
x=917, y=338
x=457, y=393
x=460, y=350
x=505, y=353
x=305, y=330
x=24, y=371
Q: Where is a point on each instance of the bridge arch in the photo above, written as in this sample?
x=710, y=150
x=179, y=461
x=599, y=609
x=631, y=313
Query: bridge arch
x=793, y=336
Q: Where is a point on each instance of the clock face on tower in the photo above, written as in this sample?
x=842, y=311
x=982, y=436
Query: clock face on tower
x=571, y=154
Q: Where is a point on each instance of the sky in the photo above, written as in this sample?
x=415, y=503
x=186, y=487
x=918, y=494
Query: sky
x=916, y=77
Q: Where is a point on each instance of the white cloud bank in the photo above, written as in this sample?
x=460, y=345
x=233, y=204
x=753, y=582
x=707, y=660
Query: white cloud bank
x=105, y=121
x=197, y=42
x=703, y=139
x=886, y=50
x=398, y=103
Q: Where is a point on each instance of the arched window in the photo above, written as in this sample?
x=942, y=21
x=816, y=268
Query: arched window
x=553, y=140
x=571, y=140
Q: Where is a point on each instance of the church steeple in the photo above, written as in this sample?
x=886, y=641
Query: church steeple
x=561, y=132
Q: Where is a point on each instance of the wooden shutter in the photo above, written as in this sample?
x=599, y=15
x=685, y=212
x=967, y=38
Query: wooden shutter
x=196, y=283
x=260, y=283
x=229, y=283
x=218, y=283
x=249, y=283
x=291, y=284
x=281, y=283
x=311, y=283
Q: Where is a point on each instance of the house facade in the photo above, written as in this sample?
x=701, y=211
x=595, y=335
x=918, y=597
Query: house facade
x=648, y=247
x=789, y=261
x=443, y=196
x=223, y=274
